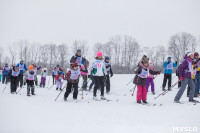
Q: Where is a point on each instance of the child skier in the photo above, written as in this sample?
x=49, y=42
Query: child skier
x=13, y=78
x=109, y=71
x=168, y=65
x=98, y=70
x=35, y=68
x=5, y=73
x=140, y=80
x=59, y=80
x=30, y=77
x=55, y=73
x=84, y=73
x=72, y=81
x=185, y=71
x=150, y=78
x=43, y=78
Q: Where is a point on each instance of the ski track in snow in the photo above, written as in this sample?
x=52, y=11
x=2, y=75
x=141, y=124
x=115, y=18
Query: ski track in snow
x=41, y=114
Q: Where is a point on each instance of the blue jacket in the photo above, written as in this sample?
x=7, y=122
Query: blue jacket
x=22, y=71
x=5, y=72
x=168, y=71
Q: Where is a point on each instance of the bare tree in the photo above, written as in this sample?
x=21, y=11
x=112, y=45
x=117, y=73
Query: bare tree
x=63, y=54
x=13, y=54
x=44, y=54
x=80, y=45
x=98, y=47
x=180, y=43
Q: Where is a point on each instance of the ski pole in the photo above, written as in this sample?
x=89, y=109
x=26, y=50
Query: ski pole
x=130, y=81
x=133, y=91
x=171, y=87
x=60, y=92
x=50, y=87
x=163, y=93
x=4, y=88
x=19, y=90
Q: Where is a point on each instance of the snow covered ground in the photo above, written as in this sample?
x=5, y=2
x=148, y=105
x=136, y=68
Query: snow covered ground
x=41, y=114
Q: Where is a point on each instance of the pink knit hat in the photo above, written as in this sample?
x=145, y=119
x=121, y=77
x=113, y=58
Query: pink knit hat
x=99, y=53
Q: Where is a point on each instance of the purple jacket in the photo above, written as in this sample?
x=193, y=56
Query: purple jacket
x=184, y=68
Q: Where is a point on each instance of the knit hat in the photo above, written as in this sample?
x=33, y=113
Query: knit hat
x=74, y=64
x=169, y=58
x=189, y=53
x=99, y=53
x=30, y=67
x=107, y=58
x=196, y=54
x=78, y=50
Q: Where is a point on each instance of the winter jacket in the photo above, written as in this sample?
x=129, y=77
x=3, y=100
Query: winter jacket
x=12, y=74
x=169, y=67
x=185, y=69
x=78, y=59
x=72, y=76
x=5, y=71
x=97, y=68
x=59, y=77
x=139, y=80
x=22, y=67
x=108, y=68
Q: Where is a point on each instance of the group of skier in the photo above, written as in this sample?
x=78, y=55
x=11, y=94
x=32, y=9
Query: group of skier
x=99, y=72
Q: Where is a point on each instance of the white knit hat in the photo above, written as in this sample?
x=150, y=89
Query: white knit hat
x=189, y=53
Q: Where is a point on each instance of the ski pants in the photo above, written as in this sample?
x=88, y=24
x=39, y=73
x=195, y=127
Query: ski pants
x=169, y=78
x=99, y=83
x=141, y=93
x=184, y=83
x=69, y=88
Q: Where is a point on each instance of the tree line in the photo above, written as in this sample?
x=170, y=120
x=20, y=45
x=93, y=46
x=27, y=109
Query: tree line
x=124, y=51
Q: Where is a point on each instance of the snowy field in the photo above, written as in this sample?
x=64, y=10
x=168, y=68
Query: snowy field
x=41, y=114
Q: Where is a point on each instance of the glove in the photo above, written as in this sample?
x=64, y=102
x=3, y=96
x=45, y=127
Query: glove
x=111, y=75
x=181, y=78
x=89, y=76
x=176, y=62
x=159, y=72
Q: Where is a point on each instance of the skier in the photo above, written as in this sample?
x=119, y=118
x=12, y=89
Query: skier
x=168, y=65
x=197, y=76
x=43, y=78
x=35, y=68
x=109, y=71
x=1, y=71
x=98, y=70
x=72, y=78
x=30, y=76
x=59, y=80
x=77, y=58
x=55, y=73
x=13, y=78
x=140, y=80
x=84, y=73
x=185, y=76
x=22, y=67
x=5, y=73
x=150, y=78
x=193, y=74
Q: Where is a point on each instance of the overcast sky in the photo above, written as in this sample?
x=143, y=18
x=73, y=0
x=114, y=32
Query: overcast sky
x=151, y=22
